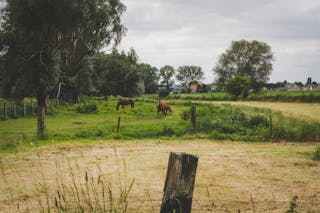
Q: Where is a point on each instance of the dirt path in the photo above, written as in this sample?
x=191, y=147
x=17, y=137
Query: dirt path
x=252, y=177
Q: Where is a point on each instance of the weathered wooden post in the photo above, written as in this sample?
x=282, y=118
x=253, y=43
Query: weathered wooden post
x=24, y=109
x=178, y=188
x=118, y=125
x=193, y=119
x=5, y=111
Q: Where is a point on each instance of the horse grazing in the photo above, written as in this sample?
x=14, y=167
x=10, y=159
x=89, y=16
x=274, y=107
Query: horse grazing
x=163, y=107
x=123, y=102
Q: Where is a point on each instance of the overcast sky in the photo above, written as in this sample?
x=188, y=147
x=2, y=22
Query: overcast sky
x=196, y=32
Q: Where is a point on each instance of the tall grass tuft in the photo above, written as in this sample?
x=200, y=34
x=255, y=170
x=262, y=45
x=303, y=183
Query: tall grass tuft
x=316, y=154
x=89, y=194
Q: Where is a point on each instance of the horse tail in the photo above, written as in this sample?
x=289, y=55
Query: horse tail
x=169, y=109
x=118, y=104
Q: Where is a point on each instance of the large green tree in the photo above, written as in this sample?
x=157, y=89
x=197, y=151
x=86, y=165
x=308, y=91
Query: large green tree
x=252, y=59
x=118, y=74
x=49, y=40
x=166, y=74
x=188, y=74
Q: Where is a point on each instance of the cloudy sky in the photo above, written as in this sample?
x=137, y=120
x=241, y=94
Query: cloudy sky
x=196, y=32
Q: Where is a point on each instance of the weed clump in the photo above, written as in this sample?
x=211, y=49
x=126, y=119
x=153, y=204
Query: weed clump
x=87, y=108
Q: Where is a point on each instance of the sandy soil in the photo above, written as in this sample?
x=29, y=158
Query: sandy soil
x=231, y=176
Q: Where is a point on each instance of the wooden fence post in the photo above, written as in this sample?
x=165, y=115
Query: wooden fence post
x=24, y=109
x=118, y=125
x=270, y=126
x=179, y=185
x=5, y=111
x=193, y=119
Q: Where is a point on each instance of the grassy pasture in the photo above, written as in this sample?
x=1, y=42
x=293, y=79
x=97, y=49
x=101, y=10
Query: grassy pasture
x=222, y=120
x=252, y=177
x=231, y=176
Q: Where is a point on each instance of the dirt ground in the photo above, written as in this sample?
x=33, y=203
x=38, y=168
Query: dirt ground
x=231, y=176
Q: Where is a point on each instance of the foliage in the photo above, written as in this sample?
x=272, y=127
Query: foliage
x=245, y=58
x=241, y=123
x=188, y=74
x=87, y=108
x=163, y=93
x=151, y=78
x=238, y=86
x=117, y=74
x=166, y=74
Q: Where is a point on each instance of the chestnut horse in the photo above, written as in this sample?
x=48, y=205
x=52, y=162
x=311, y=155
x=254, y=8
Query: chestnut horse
x=123, y=102
x=163, y=107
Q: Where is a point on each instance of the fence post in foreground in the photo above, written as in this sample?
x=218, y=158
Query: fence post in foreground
x=178, y=188
x=118, y=125
x=193, y=119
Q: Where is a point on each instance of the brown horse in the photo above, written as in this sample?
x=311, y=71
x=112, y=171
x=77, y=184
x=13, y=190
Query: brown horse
x=123, y=102
x=163, y=107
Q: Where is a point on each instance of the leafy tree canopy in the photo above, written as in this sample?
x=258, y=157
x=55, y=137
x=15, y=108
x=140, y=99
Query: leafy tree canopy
x=166, y=74
x=245, y=58
x=188, y=74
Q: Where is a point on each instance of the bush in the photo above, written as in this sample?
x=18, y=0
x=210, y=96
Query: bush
x=163, y=93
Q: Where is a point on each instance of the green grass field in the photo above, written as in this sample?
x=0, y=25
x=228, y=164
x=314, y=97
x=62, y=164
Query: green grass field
x=215, y=120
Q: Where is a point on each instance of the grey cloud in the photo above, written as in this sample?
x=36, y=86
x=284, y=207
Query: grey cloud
x=179, y=32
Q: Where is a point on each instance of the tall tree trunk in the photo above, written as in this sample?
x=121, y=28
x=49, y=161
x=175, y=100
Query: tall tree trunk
x=41, y=114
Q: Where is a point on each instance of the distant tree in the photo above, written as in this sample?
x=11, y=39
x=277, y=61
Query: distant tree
x=151, y=78
x=238, y=86
x=117, y=74
x=188, y=74
x=166, y=74
x=252, y=59
x=203, y=88
x=309, y=80
x=300, y=84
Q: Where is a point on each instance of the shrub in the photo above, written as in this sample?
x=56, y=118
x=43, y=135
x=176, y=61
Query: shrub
x=163, y=93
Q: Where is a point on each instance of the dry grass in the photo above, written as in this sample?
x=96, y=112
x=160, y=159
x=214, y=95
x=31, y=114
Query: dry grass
x=300, y=110
x=252, y=177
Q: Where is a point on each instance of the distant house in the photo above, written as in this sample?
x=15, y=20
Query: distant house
x=312, y=87
x=193, y=87
x=292, y=87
